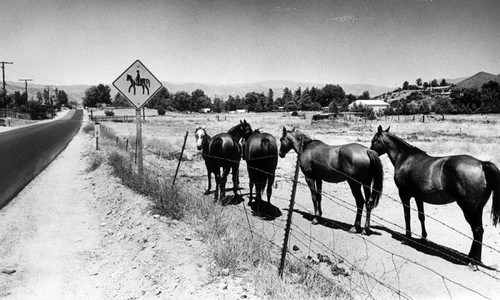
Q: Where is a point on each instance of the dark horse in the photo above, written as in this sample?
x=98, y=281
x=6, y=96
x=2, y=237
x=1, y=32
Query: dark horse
x=261, y=154
x=354, y=163
x=143, y=82
x=222, y=151
x=442, y=180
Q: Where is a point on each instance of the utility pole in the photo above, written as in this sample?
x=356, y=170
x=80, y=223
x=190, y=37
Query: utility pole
x=4, y=91
x=26, y=87
x=50, y=100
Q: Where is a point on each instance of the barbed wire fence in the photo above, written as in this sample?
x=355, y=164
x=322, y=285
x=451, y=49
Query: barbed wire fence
x=270, y=231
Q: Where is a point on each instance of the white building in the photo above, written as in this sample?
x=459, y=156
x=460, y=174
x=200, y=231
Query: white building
x=377, y=105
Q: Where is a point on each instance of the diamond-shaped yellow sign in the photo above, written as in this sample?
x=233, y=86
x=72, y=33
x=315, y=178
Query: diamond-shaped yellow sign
x=137, y=84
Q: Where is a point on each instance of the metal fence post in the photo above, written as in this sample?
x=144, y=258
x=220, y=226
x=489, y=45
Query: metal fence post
x=290, y=212
x=180, y=158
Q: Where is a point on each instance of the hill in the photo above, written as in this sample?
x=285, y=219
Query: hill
x=477, y=80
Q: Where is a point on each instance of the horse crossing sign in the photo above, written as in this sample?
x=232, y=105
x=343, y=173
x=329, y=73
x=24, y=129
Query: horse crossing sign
x=137, y=84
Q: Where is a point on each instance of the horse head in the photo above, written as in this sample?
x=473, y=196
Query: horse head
x=287, y=141
x=201, y=136
x=378, y=144
x=241, y=131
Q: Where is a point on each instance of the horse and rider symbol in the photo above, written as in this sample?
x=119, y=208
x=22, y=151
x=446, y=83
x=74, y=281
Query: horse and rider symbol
x=138, y=81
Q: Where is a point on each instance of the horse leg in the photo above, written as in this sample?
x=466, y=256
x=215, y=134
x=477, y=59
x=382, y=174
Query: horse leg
x=312, y=188
x=474, y=218
x=369, y=207
x=360, y=202
x=270, y=182
x=405, y=199
x=236, y=179
x=421, y=216
x=209, y=176
x=251, y=184
x=223, y=180
x=217, y=184
x=261, y=186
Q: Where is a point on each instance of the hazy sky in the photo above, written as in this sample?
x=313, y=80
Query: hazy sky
x=382, y=42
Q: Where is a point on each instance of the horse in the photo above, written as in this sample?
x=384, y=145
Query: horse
x=354, y=163
x=261, y=154
x=442, y=180
x=222, y=151
x=143, y=82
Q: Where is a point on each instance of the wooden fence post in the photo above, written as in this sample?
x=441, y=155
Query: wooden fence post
x=290, y=212
x=180, y=158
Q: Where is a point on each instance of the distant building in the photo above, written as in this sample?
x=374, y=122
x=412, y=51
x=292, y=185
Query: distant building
x=205, y=110
x=376, y=105
x=241, y=111
x=442, y=90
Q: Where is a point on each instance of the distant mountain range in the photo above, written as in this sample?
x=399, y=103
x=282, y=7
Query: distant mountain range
x=223, y=91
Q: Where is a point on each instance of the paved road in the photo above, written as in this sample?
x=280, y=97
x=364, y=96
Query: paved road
x=26, y=151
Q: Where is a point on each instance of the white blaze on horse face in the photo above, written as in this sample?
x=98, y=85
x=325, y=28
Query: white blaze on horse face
x=199, y=134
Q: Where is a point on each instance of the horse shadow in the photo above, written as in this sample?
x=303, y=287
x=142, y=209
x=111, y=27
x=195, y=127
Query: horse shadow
x=264, y=210
x=430, y=248
x=231, y=200
x=333, y=224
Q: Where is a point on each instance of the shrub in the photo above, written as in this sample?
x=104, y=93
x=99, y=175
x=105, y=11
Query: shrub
x=161, y=111
x=109, y=113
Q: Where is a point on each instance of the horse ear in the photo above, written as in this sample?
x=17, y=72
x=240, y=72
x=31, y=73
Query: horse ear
x=284, y=131
x=379, y=131
x=244, y=121
x=387, y=130
x=293, y=129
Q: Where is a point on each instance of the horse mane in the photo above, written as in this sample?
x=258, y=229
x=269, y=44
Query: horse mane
x=305, y=138
x=411, y=148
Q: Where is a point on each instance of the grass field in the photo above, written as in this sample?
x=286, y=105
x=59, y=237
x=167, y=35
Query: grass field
x=380, y=257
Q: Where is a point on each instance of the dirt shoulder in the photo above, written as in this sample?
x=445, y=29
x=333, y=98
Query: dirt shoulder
x=71, y=234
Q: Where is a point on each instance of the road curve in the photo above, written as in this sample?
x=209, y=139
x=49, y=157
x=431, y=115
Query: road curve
x=26, y=151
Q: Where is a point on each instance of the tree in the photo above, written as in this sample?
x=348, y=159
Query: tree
x=434, y=83
x=418, y=81
x=199, y=100
x=160, y=98
x=490, y=97
x=443, y=82
x=365, y=96
x=61, y=98
x=120, y=101
x=333, y=93
x=97, y=94
x=405, y=85
x=217, y=107
x=181, y=101
x=287, y=96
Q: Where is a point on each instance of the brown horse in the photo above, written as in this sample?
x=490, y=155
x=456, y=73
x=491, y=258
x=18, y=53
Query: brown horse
x=442, y=180
x=261, y=154
x=222, y=151
x=354, y=163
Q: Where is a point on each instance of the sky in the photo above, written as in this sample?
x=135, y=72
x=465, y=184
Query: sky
x=381, y=42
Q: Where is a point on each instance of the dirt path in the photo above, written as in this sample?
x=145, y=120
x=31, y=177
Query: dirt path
x=71, y=234
x=46, y=232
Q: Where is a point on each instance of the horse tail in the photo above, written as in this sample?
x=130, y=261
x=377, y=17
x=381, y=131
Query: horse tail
x=493, y=181
x=378, y=176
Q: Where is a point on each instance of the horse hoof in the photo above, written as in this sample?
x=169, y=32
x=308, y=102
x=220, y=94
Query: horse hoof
x=366, y=232
x=207, y=192
x=473, y=267
x=314, y=221
x=353, y=229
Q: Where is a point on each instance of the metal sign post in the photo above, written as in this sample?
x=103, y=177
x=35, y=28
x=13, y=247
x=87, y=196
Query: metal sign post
x=97, y=131
x=137, y=84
